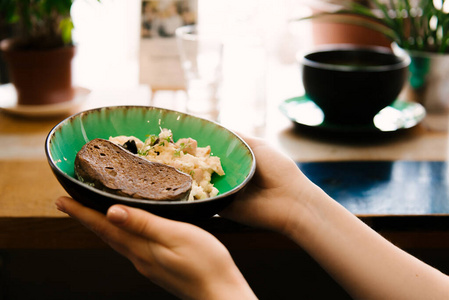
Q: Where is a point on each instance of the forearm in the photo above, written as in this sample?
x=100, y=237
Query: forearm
x=236, y=287
x=363, y=262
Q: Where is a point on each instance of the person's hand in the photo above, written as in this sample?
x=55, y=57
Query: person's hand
x=367, y=266
x=275, y=188
x=181, y=258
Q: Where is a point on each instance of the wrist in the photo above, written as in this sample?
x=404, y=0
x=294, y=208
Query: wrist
x=231, y=286
x=306, y=213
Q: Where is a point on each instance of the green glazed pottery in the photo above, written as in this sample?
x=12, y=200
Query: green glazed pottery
x=66, y=139
x=399, y=115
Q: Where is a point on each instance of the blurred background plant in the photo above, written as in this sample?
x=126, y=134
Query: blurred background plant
x=38, y=50
x=39, y=24
x=421, y=25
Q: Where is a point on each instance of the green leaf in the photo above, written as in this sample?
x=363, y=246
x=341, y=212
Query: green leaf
x=41, y=24
x=66, y=26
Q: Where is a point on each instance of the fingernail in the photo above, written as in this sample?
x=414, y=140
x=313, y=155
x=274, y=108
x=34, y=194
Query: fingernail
x=117, y=214
x=60, y=205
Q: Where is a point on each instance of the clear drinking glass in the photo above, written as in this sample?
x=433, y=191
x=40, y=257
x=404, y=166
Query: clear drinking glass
x=201, y=58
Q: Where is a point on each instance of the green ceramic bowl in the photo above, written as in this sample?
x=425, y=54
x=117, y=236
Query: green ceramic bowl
x=66, y=139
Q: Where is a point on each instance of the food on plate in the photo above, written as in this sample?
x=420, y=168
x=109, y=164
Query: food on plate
x=110, y=167
x=184, y=155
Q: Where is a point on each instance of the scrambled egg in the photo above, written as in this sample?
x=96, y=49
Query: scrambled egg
x=184, y=155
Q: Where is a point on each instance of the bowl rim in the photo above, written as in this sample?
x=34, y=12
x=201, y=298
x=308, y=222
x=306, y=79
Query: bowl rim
x=124, y=199
x=403, y=59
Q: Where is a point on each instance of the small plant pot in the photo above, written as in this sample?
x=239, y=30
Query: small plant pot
x=40, y=77
x=341, y=33
x=344, y=29
x=428, y=80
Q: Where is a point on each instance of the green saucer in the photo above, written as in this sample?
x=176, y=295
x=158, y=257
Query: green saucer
x=399, y=115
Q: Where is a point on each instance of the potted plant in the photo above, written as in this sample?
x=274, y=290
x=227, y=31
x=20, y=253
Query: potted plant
x=419, y=28
x=40, y=50
x=344, y=29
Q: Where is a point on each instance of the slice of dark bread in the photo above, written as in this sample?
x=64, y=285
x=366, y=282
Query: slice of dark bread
x=109, y=167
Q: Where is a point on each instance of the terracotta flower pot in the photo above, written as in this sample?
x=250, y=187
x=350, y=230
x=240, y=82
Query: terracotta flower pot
x=344, y=29
x=339, y=33
x=40, y=76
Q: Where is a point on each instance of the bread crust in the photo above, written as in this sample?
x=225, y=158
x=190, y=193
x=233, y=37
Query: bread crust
x=109, y=167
